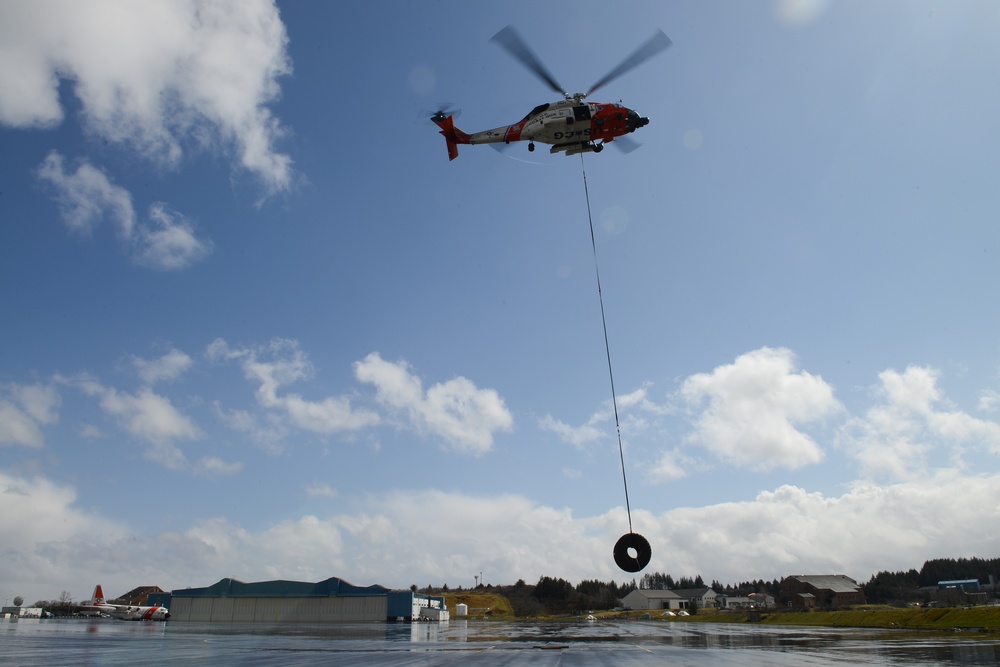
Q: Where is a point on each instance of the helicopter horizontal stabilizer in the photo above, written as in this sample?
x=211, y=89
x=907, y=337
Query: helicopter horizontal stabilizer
x=452, y=135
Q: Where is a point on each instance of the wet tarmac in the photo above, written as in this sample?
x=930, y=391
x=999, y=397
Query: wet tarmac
x=464, y=643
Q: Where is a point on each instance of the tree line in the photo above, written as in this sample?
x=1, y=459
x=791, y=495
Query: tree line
x=904, y=586
x=555, y=595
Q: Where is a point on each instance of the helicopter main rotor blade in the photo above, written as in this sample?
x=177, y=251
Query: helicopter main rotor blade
x=515, y=46
x=655, y=44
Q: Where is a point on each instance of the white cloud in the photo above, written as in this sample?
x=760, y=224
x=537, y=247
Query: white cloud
x=168, y=241
x=897, y=435
x=148, y=416
x=574, y=435
x=637, y=414
x=867, y=529
x=49, y=541
x=159, y=76
x=17, y=428
x=38, y=511
x=456, y=410
x=321, y=490
x=280, y=363
x=267, y=431
x=86, y=196
x=989, y=400
x=754, y=406
x=24, y=410
x=170, y=366
x=212, y=466
x=672, y=464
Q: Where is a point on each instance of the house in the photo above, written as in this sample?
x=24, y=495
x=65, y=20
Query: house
x=652, y=598
x=734, y=602
x=698, y=598
x=657, y=598
x=805, y=591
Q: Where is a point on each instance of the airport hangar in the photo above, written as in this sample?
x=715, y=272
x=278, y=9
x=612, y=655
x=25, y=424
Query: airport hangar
x=331, y=601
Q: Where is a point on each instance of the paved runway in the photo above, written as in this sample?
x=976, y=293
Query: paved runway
x=472, y=643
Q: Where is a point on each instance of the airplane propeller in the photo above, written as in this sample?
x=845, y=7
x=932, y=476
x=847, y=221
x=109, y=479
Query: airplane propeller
x=511, y=41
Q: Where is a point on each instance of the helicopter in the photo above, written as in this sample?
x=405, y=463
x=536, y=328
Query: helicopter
x=572, y=125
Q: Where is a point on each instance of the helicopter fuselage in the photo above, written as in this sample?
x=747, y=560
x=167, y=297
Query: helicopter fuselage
x=568, y=125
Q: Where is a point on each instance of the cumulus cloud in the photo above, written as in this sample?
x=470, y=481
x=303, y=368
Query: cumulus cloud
x=158, y=76
x=456, y=410
x=896, y=436
x=754, y=406
x=787, y=530
x=38, y=511
x=989, y=400
x=634, y=410
x=148, y=416
x=574, y=435
x=321, y=490
x=267, y=430
x=867, y=529
x=281, y=363
x=168, y=367
x=87, y=195
x=672, y=464
x=212, y=466
x=168, y=241
x=24, y=409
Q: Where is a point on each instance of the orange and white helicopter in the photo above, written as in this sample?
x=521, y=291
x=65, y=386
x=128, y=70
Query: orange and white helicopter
x=571, y=125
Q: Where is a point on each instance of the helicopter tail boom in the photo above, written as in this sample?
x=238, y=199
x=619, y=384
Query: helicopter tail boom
x=452, y=135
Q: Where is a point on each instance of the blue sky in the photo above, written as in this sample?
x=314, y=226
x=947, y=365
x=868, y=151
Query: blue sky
x=256, y=324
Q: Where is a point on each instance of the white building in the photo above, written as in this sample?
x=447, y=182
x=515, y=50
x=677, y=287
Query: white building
x=652, y=598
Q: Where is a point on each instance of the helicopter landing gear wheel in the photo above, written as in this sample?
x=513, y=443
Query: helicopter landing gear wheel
x=531, y=147
x=598, y=148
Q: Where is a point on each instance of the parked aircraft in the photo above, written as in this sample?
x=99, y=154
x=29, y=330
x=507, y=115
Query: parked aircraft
x=98, y=605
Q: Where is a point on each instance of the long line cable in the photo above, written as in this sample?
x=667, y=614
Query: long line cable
x=607, y=347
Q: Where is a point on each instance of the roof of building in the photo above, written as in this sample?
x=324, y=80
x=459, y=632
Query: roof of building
x=140, y=592
x=332, y=587
x=657, y=593
x=837, y=583
x=694, y=592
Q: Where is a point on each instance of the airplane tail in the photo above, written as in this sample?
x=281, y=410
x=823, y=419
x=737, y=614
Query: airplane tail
x=98, y=597
x=452, y=135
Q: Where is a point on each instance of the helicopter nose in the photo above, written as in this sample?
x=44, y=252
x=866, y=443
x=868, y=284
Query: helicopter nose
x=635, y=121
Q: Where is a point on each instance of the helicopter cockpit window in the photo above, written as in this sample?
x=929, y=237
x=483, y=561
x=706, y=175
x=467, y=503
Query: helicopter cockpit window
x=534, y=112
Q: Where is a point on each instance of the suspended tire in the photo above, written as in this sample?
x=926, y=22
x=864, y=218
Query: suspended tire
x=638, y=543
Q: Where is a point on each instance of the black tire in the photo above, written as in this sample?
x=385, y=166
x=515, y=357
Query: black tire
x=643, y=552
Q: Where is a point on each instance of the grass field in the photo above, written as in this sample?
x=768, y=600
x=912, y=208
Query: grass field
x=479, y=603
x=947, y=618
x=491, y=605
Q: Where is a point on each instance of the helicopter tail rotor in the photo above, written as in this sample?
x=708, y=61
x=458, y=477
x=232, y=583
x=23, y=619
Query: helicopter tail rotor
x=452, y=135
